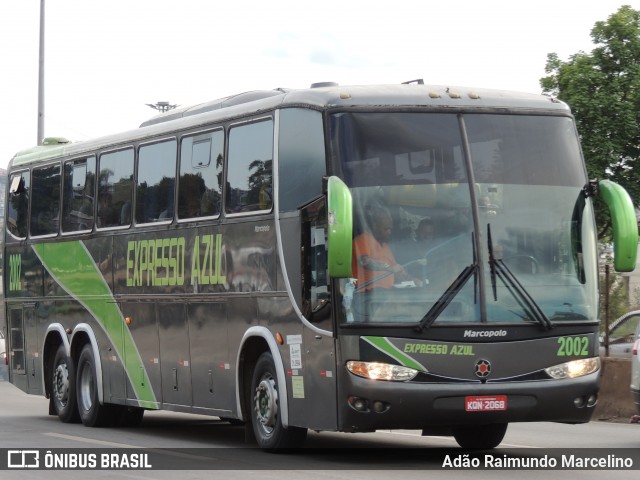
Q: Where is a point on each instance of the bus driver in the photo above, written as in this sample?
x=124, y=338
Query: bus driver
x=373, y=262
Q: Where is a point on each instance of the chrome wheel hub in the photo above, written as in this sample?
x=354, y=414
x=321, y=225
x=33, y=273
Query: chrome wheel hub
x=61, y=383
x=266, y=403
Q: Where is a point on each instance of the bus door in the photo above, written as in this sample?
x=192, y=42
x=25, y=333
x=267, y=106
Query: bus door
x=212, y=377
x=25, y=364
x=319, y=361
x=175, y=358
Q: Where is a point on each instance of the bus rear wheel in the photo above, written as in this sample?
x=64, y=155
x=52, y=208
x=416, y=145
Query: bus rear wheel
x=92, y=413
x=480, y=436
x=63, y=387
x=265, y=414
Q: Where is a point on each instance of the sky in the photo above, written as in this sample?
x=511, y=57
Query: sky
x=106, y=59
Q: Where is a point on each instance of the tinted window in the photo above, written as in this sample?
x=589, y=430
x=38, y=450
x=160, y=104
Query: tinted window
x=397, y=148
x=156, y=182
x=525, y=150
x=114, y=189
x=200, y=187
x=301, y=157
x=249, y=170
x=45, y=200
x=18, y=207
x=78, y=195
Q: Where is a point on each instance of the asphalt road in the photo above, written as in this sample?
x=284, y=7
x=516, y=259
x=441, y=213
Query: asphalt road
x=192, y=441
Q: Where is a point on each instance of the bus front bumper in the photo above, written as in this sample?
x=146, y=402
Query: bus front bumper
x=367, y=405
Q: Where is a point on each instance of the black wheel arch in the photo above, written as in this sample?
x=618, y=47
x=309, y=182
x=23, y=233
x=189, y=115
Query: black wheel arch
x=252, y=348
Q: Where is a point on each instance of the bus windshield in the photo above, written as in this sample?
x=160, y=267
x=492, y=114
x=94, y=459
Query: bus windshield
x=511, y=241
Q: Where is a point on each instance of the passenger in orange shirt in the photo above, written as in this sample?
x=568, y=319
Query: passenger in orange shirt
x=372, y=257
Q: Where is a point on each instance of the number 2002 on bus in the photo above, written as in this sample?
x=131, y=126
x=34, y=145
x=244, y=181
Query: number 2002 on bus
x=485, y=404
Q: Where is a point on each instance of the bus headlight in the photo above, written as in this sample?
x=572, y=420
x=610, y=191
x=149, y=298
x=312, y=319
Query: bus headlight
x=381, y=371
x=574, y=369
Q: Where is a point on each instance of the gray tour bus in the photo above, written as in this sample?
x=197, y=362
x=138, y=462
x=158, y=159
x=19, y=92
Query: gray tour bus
x=261, y=258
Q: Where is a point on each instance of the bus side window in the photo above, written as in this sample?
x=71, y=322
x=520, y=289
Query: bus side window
x=115, y=188
x=78, y=193
x=45, y=200
x=315, y=279
x=249, y=168
x=200, y=183
x=18, y=206
x=156, y=183
x=301, y=157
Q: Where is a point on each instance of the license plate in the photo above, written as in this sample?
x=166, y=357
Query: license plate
x=485, y=403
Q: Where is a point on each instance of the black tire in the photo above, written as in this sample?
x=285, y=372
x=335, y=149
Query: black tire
x=264, y=413
x=92, y=413
x=63, y=387
x=481, y=437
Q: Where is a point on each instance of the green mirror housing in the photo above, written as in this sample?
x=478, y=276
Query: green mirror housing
x=623, y=221
x=339, y=236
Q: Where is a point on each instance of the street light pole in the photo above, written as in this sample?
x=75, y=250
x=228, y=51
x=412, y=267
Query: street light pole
x=162, y=107
x=41, y=78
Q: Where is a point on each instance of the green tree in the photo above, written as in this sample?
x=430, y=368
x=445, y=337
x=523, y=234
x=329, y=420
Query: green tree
x=618, y=297
x=603, y=90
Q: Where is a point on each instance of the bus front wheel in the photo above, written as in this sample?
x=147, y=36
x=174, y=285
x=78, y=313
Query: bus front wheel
x=92, y=413
x=265, y=414
x=480, y=436
x=63, y=388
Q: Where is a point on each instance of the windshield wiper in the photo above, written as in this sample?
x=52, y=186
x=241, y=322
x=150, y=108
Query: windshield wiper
x=500, y=270
x=449, y=294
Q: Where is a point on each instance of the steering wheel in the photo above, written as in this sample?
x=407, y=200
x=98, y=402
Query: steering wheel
x=520, y=260
x=359, y=288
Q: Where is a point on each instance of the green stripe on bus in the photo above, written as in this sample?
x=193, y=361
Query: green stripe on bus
x=384, y=345
x=73, y=268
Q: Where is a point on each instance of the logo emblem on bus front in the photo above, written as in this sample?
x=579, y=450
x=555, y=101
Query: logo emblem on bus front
x=483, y=368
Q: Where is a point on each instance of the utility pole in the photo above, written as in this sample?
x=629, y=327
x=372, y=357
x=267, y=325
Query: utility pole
x=606, y=309
x=41, y=78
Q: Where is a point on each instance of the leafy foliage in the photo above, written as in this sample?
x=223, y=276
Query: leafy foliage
x=603, y=90
x=618, y=297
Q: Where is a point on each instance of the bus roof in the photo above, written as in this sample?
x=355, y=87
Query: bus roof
x=327, y=96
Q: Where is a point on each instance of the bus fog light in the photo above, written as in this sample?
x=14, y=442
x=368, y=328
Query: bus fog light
x=358, y=404
x=592, y=401
x=579, y=402
x=380, y=406
x=574, y=369
x=381, y=371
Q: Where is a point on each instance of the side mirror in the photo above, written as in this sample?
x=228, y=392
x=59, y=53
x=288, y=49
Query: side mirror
x=17, y=185
x=340, y=228
x=623, y=221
